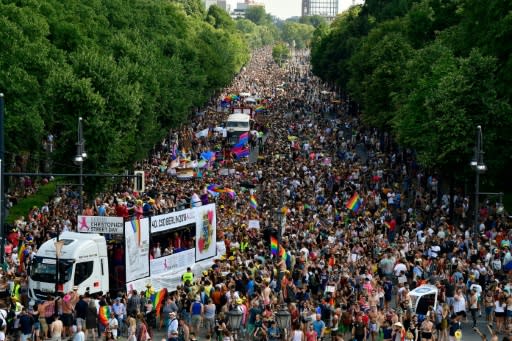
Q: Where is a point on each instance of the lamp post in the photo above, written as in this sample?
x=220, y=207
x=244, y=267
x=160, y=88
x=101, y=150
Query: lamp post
x=478, y=165
x=79, y=160
x=2, y=191
x=234, y=321
x=283, y=319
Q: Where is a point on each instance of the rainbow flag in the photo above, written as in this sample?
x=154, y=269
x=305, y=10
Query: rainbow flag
x=221, y=189
x=136, y=228
x=253, y=202
x=273, y=245
x=158, y=299
x=21, y=256
x=104, y=315
x=273, y=249
x=354, y=203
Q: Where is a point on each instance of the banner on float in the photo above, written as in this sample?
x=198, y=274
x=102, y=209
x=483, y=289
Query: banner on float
x=206, y=232
x=137, y=249
x=184, y=173
x=100, y=224
x=172, y=262
x=172, y=220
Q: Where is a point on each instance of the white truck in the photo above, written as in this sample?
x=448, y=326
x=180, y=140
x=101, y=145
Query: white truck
x=236, y=125
x=82, y=262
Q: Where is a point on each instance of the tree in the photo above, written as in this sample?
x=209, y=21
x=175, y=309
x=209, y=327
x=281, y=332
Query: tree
x=297, y=34
x=256, y=14
x=375, y=72
x=446, y=98
x=280, y=53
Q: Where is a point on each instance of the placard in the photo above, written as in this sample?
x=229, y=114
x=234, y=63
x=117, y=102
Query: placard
x=253, y=224
x=137, y=248
x=100, y=224
x=206, y=232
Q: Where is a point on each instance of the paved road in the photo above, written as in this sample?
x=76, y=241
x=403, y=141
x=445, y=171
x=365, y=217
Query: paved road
x=467, y=333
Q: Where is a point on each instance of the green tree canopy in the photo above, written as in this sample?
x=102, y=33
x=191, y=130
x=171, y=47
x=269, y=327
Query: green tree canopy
x=130, y=70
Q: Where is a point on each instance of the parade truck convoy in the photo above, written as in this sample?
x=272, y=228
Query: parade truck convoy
x=82, y=262
x=112, y=255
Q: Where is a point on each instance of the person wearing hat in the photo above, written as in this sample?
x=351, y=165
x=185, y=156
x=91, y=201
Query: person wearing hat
x=398, y=333
x=172, y=329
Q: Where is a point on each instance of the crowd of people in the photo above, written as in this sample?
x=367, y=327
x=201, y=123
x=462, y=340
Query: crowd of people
x=346, y=271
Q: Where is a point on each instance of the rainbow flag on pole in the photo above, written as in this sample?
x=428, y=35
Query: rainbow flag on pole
x=158, y=299
x=273, y=245
x=21, y=256
x=253, y=202
x=354, y=203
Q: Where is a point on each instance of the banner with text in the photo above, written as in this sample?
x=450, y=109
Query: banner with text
x=172, y=220
x=137, y=249
x=172, y=262
x=100, y=224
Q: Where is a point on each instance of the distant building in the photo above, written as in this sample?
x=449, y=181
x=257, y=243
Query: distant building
x=241, y=7
x=324, y=8
x=221, y=3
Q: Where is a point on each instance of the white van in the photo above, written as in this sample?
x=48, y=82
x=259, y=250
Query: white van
x=423, y=297
x=236, y=125
x=83, y=262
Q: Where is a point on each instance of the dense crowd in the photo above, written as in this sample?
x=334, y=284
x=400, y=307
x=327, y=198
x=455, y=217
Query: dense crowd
x=347, y=272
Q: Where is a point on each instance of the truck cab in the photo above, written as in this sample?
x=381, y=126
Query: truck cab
x=236, y=125
x=82, y=262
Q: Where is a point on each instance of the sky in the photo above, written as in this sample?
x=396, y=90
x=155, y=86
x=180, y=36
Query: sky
x=289, y=8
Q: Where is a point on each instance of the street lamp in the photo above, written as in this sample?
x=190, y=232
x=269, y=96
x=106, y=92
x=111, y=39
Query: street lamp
x=234, y=320
x=283, y=319
x=478, y=165
x=81, y=155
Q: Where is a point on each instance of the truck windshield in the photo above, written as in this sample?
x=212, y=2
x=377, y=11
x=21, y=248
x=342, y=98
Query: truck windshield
x=43, y=270
x=233, y=124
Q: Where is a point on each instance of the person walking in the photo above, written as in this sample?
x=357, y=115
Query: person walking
x=56, y=328
x=209, y=311
x=26, y=325
x=196, y=314
x=91, y=320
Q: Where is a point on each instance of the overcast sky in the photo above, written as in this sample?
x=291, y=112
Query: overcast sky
x=289, y=8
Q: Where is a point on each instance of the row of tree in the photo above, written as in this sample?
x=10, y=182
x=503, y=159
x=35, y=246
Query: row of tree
x=429, y=71
x=130, y=69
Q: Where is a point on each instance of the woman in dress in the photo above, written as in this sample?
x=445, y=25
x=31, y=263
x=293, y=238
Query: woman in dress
x=445, y=317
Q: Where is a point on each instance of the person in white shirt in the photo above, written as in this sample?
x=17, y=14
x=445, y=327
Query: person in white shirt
x=459, y=303
x=78, y=334
x=113, y=325
x=399, y=267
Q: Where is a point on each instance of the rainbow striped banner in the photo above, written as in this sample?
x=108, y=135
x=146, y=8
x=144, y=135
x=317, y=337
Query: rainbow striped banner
x=136, y=229
x=354, y=203
x=253, y=202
